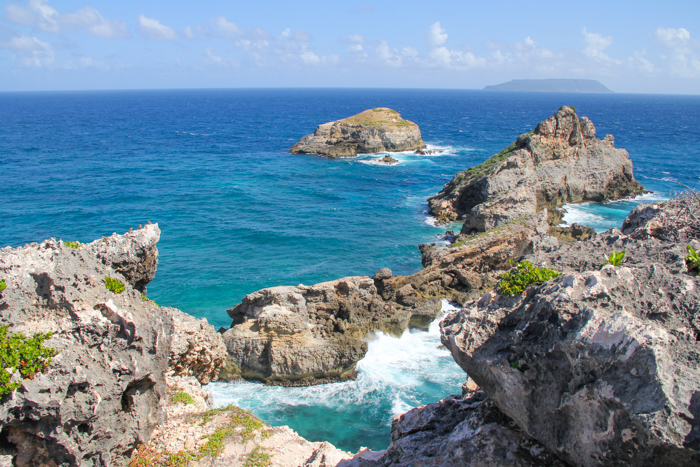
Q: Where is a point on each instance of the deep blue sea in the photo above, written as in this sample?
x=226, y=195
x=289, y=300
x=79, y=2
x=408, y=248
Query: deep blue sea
x=238, y=213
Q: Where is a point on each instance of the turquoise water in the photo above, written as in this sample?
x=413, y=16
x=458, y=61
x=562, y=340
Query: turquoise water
x=238, y=213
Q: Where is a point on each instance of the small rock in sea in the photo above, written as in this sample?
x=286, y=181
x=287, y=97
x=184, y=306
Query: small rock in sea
x=388, y=160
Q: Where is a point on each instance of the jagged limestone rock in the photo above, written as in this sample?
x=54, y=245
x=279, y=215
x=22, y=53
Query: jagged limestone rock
x=371, y=131
x=600, y=364
x=560, y=162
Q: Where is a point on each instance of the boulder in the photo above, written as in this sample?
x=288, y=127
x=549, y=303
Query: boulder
x=371, y=131
x=560, y=162
x=103, y=393
x=600, y=364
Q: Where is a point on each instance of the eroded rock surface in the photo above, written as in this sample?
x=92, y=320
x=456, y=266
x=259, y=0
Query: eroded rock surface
x=599, y=365
x=103, y=393
x=371, y=131
x=468, y=432
x=560, y=162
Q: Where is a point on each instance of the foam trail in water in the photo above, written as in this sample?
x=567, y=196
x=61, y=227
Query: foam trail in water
x=603, y=216
x=395, y=375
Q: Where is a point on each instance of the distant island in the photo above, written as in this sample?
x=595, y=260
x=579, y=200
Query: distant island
x=550, y=85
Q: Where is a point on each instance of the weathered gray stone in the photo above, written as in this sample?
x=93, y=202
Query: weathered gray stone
x=371, y=131
x=560, y=162
x=134, y=254
x=466, y=432
x=103, y=393
x=599, y=365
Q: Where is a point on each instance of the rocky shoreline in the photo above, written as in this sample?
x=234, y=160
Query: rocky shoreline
x=597, y=366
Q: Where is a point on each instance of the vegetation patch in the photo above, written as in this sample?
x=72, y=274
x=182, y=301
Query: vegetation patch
x=114, y=285
x=26, y=355
x=523, y=275
x=692, y=260
x=3, y=286
x=215, y=443
x=182, y=397
x=148, y=457
x=74, y=245
x=146, y=299
x=258, y=458
x=614, y=258
x=458, y=244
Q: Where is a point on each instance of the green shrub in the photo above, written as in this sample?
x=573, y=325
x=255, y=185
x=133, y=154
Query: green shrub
x=182, y=397
x=24, y=354
x=458, y=244
x=114, y=285
x=521, y=276
x=692, y=260
x=74, y=245
x=614, y=258
x=3, y=286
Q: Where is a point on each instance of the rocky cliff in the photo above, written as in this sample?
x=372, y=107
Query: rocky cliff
x=560, y=162
x=371, y=131
x=600, y=364
x=105, y=390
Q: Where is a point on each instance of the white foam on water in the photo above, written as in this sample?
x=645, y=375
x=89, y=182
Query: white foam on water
x=394, y=371
x=576, y=214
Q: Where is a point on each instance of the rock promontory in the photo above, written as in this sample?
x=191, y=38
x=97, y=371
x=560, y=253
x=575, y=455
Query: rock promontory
x=560, y=162
x=371, y=131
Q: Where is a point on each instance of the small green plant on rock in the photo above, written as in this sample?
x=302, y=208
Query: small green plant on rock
x=458, y=244
x=74, y=245
x=24, y=354
x=692, y=260
x=182, y=397
x=3, y=286
x=523, y=275
x=113, y=285
x=258, y=458
x=614, y=258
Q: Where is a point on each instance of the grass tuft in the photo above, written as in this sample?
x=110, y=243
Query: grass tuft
x=114, y=285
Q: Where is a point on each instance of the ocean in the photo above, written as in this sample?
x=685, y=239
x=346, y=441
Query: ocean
x=238, y=213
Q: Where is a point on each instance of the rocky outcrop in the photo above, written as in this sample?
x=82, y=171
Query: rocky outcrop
x=103, y=392
x=196, y=348
x=560, y=162
x=371, y=131
x=134, y=254
x=314, y=334
x=198, y=435
x=469, y=432
x=598, y=365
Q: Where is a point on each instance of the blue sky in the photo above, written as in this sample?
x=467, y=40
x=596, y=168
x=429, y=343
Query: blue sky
x=640, y=46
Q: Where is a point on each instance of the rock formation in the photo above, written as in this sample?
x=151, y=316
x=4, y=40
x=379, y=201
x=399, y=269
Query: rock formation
x=315, y=334
x=198, y=435
x=560, y=162
x=103, y=393
x=371, y=131
x=598, y=365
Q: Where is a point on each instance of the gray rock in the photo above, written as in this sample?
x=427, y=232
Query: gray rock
x=383, y=273
x=134, y=254
x=560, y=162
x=599, y=365
x=457, y=432
x=103, y=393
x=371, y=131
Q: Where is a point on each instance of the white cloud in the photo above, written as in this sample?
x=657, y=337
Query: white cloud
x=30, y=51
x=40, y=14
x=436, y=35
x=218, y=60
x=596, y=44
x=409, y=52
x=286, y=33
x=529, y=42
x=220, y=27
x=187, y=32
x=310, y=58
x=355, y=39
x=388, y=55
x=153, y=29
x=681, y=55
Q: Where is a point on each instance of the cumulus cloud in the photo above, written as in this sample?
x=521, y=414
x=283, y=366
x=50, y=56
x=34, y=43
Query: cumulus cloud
x=30, y=51
x=388, y=55
x=682, y=58
x=153, y=29
x=39, y=13
x=218, y=60
x=220, y=27
x=596, y=44
x=187, y=32
x=436, y=35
